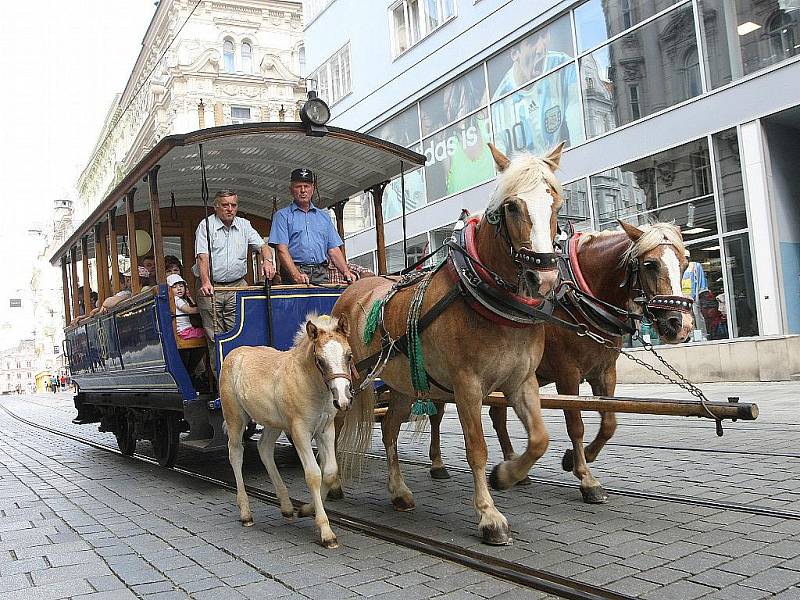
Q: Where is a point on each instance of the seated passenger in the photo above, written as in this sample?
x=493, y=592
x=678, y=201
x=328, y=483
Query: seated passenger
x=305, y=238
x=125, y=292
x=184, y=306
x=172, y=265
x=149, y=263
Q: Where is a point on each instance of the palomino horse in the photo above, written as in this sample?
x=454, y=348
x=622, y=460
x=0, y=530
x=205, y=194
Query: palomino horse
x=615, y=267
x=298, y=391
x=464, y=351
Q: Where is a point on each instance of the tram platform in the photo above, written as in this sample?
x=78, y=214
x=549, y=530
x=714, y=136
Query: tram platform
x=77, y=522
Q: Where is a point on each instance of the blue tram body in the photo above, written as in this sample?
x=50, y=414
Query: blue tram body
x=130, y=357
x=135, y=377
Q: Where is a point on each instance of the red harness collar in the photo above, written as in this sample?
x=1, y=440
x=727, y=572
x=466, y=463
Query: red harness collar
x=486, y=277
x=576, y=268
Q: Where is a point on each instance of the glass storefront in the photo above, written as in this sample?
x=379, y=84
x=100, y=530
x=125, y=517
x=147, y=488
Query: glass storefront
x=742, y=36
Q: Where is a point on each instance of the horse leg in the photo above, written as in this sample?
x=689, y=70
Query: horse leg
x=575, y=460
x=302, y=441
x=236, y=457
x=326, y=455
x=335, y=491
x=492, y=525
x=266, y=450
x=399, y=409
x=526, y=404
x=603, y=386
x=438, y=470
x=499, y=416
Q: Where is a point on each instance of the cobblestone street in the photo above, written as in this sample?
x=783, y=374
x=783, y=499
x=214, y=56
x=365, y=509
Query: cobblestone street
x=79, y=522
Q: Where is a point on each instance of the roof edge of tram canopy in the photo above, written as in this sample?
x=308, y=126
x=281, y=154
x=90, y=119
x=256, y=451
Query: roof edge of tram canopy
x=351, y=181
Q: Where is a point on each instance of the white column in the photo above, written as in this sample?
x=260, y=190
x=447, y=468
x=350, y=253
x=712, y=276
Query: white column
x=755, y=167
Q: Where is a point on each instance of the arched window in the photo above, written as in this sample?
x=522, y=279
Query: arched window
x=691, y=73
x=782, y=29
x=227, y=56
x=247, y=57
x=301, y=60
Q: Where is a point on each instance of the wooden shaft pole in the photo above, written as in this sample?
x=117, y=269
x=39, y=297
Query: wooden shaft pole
x=65, y=290
x=74, y=287
x=155, y=225
x=113, y=250
x=380, y=240
x=134, y=256
x=642, y=406
x=87, y=288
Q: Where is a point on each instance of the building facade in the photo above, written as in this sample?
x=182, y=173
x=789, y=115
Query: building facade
x=201, y=65
x=683, y=111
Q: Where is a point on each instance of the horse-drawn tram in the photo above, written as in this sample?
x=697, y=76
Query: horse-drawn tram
x=506, y=311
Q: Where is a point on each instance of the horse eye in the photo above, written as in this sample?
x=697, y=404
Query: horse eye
x=651, y=265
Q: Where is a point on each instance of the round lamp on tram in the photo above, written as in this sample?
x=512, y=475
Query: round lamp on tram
x=314, y=114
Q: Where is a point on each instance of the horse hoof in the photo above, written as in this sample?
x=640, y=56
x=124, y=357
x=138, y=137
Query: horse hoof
x=594, y=495
x=306, y=510
x=288, y=514
x=523, y=482
x=335, y=494
x=568, y=463
x=247, y=522
x=440, y=473
x=330, y=544
x=402, y=504
x=496, y=535
x=496, y=481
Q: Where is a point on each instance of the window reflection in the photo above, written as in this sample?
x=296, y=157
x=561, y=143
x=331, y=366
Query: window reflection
x=742, y=36
x=454, y=101
x=598, y=20
x=402, y=129
x=741, y=309
x=575, y=207
x=643, y=72
x=414, y=194
x=729, y=178
x=358, y=214
x=417, y=248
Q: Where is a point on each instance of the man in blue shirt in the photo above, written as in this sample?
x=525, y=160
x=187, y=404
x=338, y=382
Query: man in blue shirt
x=304, y=236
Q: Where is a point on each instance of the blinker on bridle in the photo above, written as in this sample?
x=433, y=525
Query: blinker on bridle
x=523, y=257
x=658, y=302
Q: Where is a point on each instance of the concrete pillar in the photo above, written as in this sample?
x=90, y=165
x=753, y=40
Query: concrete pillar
x=755, y=167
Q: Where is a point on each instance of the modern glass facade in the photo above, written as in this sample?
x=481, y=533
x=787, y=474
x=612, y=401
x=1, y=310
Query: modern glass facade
x=599, y=66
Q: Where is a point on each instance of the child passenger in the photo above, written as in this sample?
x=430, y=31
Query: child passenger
x=184, y=306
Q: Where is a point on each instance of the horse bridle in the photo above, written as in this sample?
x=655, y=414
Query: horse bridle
x=680, y=304
x=523, y=257
x=331, y=375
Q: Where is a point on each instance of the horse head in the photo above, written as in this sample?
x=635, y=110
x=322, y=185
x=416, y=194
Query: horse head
x=332, y=356
x=656, y=262
x=524, y=209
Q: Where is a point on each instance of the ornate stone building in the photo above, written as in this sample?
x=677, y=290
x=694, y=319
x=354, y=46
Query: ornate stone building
x=201, y=65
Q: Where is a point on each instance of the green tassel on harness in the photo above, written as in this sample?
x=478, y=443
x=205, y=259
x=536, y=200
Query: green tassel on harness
x=423, y=407
x=372, y=321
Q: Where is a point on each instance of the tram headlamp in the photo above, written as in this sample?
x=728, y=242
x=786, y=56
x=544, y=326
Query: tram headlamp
x=315, y=113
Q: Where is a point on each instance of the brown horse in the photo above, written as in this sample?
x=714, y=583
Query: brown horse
x=298, y=391
x=465, y=351
x=603, y=265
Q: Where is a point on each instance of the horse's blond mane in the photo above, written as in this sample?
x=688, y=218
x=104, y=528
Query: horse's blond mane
x=325, y=323
x=653, y=235
x=524, y=173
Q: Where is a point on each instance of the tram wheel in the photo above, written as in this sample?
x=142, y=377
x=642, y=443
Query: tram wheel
x=125, y=433
x=166, y=439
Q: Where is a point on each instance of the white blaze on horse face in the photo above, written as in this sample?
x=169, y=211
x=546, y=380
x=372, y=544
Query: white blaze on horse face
x=336, y=361
x=539, y=202
x=670, y=260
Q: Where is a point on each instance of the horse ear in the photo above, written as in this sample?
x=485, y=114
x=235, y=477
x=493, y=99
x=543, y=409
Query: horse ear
x=343, y=326
x=500, y=159
x=633, y=232
x=553, y=158
x=311, y=330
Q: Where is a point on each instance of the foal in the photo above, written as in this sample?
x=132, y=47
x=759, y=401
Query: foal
x=297, y=391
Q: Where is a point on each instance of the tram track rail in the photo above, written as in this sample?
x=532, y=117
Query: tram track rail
x=519, y=574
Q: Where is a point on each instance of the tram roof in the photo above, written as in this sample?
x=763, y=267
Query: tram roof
x=255, y=160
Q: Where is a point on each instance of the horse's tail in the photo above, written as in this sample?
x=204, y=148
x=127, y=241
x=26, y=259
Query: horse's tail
x=229, y=384
x=355, y=437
